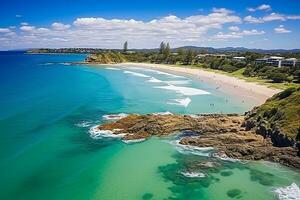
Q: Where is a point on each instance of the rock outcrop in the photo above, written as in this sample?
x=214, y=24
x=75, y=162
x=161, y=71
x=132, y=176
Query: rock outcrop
x=226, y=133
x=105, y=58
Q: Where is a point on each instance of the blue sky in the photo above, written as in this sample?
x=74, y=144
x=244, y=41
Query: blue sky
x=144, y=23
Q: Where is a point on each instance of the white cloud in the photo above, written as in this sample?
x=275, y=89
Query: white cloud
x=18, y=16
x=222, y=10
x=271, y=17
x=111, y=33
x=263, y=7
x=24, y=24
x=253, y=32
x=234, y=28
x=27, y=28
x=274, y=16
x=281, y=29
x=4, y=30
x=240, y=34
x=253, y=20
x=60, y=27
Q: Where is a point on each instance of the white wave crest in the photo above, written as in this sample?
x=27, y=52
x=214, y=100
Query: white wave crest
x=83, y=124
x=181, y=102
x=163, y=73
x=115, y=116
x=224, y=157
x=182, y=82
x=163, y=113
x=154, y=80
x=98, y=134
x=65, y=63
x=291, y=192
x=134, y=141
x=112, y=68
x=187, y=91
x=193, y=174
x=47, y=63
x=188, y=149
x=136, y=74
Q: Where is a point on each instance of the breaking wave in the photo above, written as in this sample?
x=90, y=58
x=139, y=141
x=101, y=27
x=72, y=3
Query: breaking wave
x=163, y=113
x=133, y=141
x=112, y=68
x=181, y=102
x=291, y=192
x=115, y=116
x=193, y=174
x=187, y=91
x=188, y=149
x=136, y=74
x=95, y=133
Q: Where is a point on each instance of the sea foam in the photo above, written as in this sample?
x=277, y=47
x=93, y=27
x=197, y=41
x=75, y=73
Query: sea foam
x=115, y=116
x=181, y=82
x=193, y=174
x=112, y=68
x=181, y=102
x=95, y=133
x=188, y=149
x=154, y=80
x=163, y=113
x=163, y=73
x=84, y=124
x=291, y=192
x=136, y=74
x=134, y=141
x=188, y=91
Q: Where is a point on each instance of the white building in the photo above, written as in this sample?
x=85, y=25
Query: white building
x=239, y=58
x=290, y=62
x=278, y=61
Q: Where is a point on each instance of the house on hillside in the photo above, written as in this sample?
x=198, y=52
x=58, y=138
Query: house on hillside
x=277, y=61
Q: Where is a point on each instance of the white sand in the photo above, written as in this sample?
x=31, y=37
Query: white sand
x=246, y=90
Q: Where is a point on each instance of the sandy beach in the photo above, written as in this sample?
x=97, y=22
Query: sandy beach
x=246, y=90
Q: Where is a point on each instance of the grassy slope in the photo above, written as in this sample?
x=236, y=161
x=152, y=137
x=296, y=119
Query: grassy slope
x=106, y=58
x=283, y=111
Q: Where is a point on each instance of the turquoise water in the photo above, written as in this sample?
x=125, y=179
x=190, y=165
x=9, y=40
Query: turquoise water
x=46, y=152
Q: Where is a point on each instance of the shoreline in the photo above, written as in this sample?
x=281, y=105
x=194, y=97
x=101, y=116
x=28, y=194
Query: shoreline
x=235, y=86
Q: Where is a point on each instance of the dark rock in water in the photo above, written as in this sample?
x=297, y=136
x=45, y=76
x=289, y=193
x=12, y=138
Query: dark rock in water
x=234, y=193
x=208, y=164
x=230, y=135
x=262, y=177
x=226, y=173
x=147, y=196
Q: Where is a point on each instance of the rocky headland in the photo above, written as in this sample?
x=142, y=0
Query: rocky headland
x=261, y=134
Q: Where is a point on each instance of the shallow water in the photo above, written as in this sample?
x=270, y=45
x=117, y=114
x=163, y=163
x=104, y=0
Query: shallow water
x=46, y=152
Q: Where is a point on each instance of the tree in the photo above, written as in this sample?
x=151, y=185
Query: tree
x=167, y=50
x=297, y=75
x=189, y=57
x=162, y=47
x=277, y=77
x=125, y=47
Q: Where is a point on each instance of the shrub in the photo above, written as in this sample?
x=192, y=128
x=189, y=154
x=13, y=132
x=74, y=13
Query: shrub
x=277, y=77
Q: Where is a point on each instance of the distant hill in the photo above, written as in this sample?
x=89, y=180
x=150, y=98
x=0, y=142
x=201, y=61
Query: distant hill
x=194, y=48
x=236, y=49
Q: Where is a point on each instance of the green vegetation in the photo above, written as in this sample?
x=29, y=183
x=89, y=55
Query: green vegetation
x=125, y=47
x=106, y=58
x=281, y=113
x=219, y=62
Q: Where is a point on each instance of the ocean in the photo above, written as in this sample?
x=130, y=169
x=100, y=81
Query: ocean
x=48, y=151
